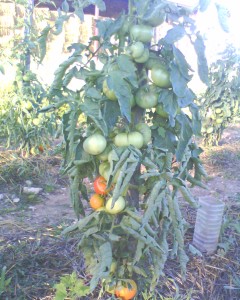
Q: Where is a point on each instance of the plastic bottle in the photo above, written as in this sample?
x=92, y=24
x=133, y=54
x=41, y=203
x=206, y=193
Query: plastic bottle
x=208, y=224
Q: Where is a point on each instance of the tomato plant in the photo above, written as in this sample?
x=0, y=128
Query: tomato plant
x=220, y=102
x=132, y=146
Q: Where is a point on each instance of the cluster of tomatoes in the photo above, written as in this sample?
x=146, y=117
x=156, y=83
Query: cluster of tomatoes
x=98, y=200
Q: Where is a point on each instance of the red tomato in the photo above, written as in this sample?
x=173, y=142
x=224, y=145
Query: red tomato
x=100, y=186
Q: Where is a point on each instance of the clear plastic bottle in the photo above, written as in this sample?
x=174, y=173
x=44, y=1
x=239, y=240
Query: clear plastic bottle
x=208, y=224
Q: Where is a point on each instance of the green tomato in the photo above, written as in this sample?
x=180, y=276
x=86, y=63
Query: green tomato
x=209, y=130
x=153, y=62
x=36, y=121
x=113, y=267
x=161, y=112
x=28, y=105
x=135, y=139
x=103, y=167
x=137, y=49
x=161, y=77
x=219, y=120
x=132, y=102
x=121, y=140
x=146, y=98
x=108, y=93
x=95, y=144
x=144, y=129
x=118, y=206
x=156, y=18
x=104, y=155
x=141, y=33
x=142, y=59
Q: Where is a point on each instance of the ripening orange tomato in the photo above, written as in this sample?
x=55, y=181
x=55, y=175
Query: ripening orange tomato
x=96, y=201
x=100, y=186
x=127, y=291
x=41, y=148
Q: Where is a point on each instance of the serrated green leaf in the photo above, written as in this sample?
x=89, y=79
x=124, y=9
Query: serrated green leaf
x=2, y=69
x=169, y=101
x=65, y=6
x=123, y=92
x=185, y=136
x=223, y=17
x=127, y=66
x=59, y=74
x=61, y=292
x=81, y=289
x=167, y=143
x=187, y=99
x=179, y=82
x=202, y=61
x=60, y=22
x=182, y=64
x=111, y=112
x=175, y=34
x=80, y=224
x=92, y=109
x=102, y=268
x=92, y=92
x=196, y=119
x=140, y=271
x=42, y=42
x=204, y=4
x=107, y=28
x=99, y=3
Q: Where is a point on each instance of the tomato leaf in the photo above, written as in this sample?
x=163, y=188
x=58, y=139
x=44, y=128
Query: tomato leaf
x=169, y=101
x=42, y=42
x=101, y=269
x=223, y=17
x=92, y=92
x=111, y=113
x=179, y=83
x=99, y=3
x=182, y=64
x=196, y=119
x=204, y=4
x=202, y=61
x=107, y=28
x=122, y=90
x=187, y=99
x=60, y=22
x=92, y=110
x=126, y=65
x=185, y=135
x=174, y=34
x=59, y=74
x=167, y=143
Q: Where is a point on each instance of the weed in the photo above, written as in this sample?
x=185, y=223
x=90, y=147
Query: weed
x=4, y=282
